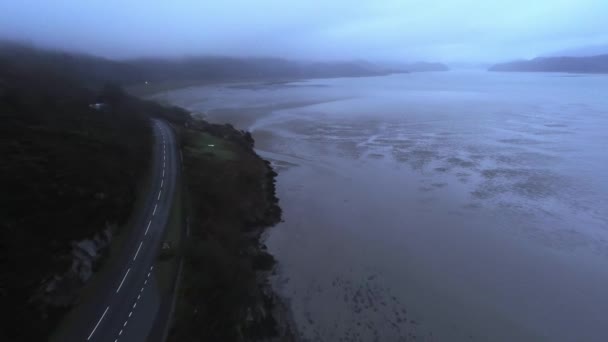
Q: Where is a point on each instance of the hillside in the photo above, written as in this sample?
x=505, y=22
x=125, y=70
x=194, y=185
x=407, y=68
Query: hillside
x=91, y=71
x=230, y=68
x=69, y=175
x=85, y=70
x=595, y=64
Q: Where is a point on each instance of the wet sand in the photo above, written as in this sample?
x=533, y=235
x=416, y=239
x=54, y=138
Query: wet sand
x=442, y=213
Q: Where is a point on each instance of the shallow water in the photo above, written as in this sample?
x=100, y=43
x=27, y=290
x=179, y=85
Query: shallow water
x=458, y=206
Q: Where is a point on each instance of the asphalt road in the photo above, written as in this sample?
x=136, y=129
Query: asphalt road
x=126, y=292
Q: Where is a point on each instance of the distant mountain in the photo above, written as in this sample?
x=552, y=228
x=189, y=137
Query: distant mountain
x=94, y=72
x=425, y=66
x=233, y=68
x=594, y=64
x=469, y=66
x=581, y=51
x=414, y=67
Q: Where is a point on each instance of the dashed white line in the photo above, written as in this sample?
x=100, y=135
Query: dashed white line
x=149, y=223
x=145, y=281
x=138, y=296
x=142, y=290
x=120, y=332
x=123, y=280
x=130, y=313
x=149, y=274
x=163, y=173
x=160, y=192
x=96, y=325
x=154, y=212
x=124, y=325
x=151, y=268
x=162, y=181
x=134, y=305
x=138, y=248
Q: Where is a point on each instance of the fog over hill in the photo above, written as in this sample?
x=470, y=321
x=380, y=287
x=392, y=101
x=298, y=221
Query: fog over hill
x=593, y=64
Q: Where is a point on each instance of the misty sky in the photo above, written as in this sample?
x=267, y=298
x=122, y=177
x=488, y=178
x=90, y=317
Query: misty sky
x=447, y=31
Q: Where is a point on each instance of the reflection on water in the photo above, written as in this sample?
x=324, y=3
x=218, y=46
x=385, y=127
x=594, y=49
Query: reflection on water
x=439, y=207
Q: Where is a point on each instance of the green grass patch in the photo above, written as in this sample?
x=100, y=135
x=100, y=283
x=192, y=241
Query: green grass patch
x=205, y=144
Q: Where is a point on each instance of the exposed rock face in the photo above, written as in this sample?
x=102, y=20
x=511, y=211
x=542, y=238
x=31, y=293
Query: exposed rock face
x=61, y=290
x=87, y=252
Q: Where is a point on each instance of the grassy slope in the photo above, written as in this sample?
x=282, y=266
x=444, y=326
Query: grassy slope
x=232, y=196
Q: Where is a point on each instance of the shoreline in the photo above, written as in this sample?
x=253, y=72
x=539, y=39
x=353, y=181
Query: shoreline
x=245, y=119
x=261, y=314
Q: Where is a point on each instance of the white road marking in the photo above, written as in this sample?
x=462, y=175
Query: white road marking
x=138, y=248
x=164, y=157
x=138, y=296
x=134, y=304
x=123, y=280
x=130, y=313
x=160, y=192
x=120, y=332
x=142, y=290
x=149, y=223
x=154, y=212
x=124, y=325
x=149, y=274
x=162, y=181
x=163, y=173
x=96, y=325
x=151, y=268
x=145, y=281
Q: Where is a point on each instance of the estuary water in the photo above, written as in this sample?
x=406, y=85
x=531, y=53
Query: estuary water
x=455, y=206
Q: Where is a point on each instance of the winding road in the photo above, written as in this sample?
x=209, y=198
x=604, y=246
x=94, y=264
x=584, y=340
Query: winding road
x=123, y=308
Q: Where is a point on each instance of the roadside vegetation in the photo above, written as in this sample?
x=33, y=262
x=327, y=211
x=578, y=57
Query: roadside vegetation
x=223, y=295
x=68, y=172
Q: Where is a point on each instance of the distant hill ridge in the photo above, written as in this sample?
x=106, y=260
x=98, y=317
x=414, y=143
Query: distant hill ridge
x=593, y=65
x=425, y=66
x=94, y=71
